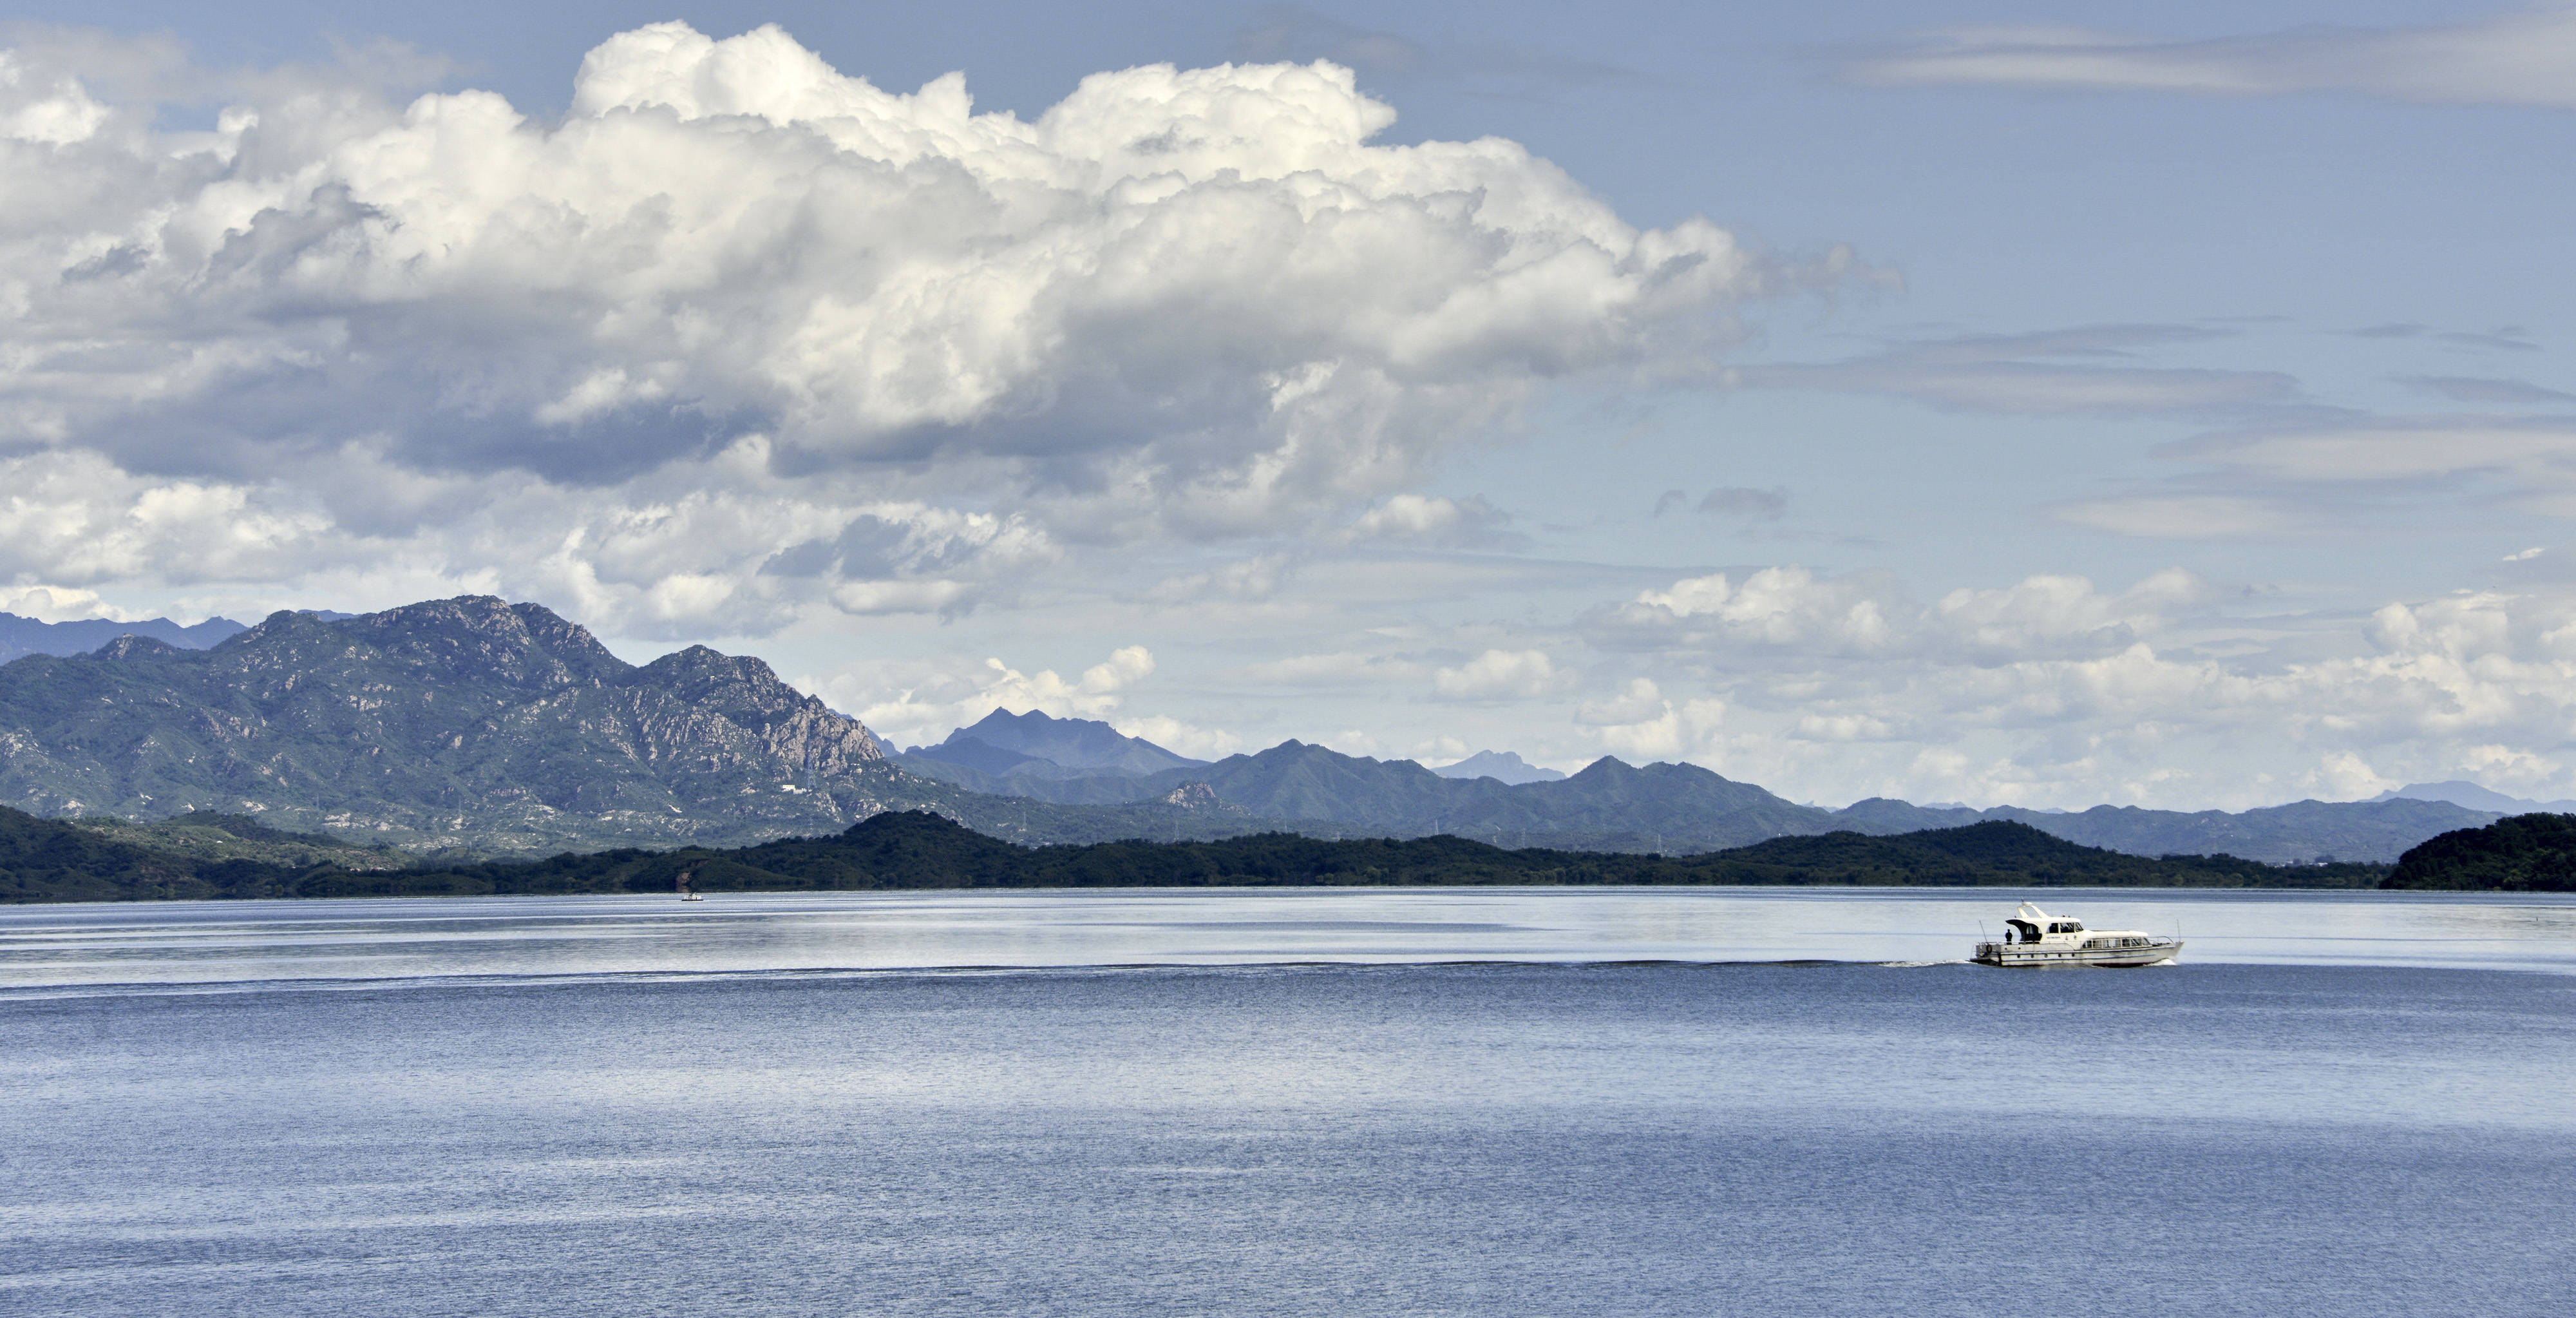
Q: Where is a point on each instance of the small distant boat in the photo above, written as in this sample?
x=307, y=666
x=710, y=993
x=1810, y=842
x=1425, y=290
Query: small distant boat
x=687, y=893
x=2033, y=937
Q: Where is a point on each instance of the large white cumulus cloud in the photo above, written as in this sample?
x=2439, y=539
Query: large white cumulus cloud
x=1194, y=302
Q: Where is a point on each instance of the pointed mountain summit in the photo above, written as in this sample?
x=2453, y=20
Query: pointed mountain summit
x=1506, y=767
x=1003, y=743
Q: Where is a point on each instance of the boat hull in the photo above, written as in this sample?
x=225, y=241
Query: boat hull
x=2018, y=956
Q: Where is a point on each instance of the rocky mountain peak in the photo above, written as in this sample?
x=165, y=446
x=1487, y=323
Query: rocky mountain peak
x=483, y=636
x=749, y=693
x=438, y=718
x=739, y=687
x=124, y=647
x=281, y=623
x=1193, y=796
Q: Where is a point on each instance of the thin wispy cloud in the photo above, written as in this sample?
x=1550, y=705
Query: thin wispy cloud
x=2483, y=389
x=2325, y=476
x=2098, y=369
x=2512, y=58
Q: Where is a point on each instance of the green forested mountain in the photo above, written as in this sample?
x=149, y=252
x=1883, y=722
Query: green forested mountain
x=2521, y=853
x=44, y=860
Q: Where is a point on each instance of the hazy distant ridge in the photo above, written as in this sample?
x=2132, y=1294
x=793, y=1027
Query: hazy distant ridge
x=26, y=636
x=1612, y=805
x=1502, y=766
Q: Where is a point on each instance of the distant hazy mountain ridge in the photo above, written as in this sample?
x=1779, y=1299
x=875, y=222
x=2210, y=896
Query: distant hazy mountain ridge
x=1502, y=766
x=1677, y=808
x=26, y=636
x=2475, y=798
x=1004, y=744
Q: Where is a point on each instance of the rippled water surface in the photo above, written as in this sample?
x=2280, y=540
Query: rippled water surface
x=1284, y=1102
x=189, y=942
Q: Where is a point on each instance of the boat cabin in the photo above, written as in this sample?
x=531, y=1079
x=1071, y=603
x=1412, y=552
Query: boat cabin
x=2030, y=924
x=2033, y=937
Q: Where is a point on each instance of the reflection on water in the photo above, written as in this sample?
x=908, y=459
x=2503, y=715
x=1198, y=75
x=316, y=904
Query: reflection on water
x=203, y=942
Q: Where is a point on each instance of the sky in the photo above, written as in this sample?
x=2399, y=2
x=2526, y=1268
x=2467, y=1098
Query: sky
x=2043, y=404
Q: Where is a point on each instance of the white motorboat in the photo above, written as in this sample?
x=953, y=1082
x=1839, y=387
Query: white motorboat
x=2033, y=937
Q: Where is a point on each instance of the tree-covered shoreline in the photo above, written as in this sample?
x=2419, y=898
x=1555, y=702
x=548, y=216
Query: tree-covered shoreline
x=2519, y=853
x=52, y=861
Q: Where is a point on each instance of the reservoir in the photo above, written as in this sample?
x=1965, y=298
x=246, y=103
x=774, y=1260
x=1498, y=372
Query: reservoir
x=1442, y=1101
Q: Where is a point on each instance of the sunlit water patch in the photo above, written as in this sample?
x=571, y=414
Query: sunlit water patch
x=188, y=942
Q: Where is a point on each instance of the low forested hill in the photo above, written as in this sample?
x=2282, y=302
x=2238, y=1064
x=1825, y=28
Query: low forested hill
x=47, y=860
x=214, y=835
x=2520, y=853
x=917, y=850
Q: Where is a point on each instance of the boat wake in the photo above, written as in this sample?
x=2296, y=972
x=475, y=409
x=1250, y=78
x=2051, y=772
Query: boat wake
x=602, y=978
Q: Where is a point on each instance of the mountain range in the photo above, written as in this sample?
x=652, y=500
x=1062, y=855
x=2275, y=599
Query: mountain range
x=476, y=724
x=26, y=636
x=472, y=724
x=1614, y=806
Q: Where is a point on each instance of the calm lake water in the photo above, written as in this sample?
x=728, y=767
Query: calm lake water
x=1521, y=1101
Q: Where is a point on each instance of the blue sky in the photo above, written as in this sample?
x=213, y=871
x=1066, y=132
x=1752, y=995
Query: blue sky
x=2036, y=403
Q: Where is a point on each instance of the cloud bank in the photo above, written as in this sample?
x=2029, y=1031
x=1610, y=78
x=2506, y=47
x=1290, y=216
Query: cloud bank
x=794, y=338
x=2053, y=691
